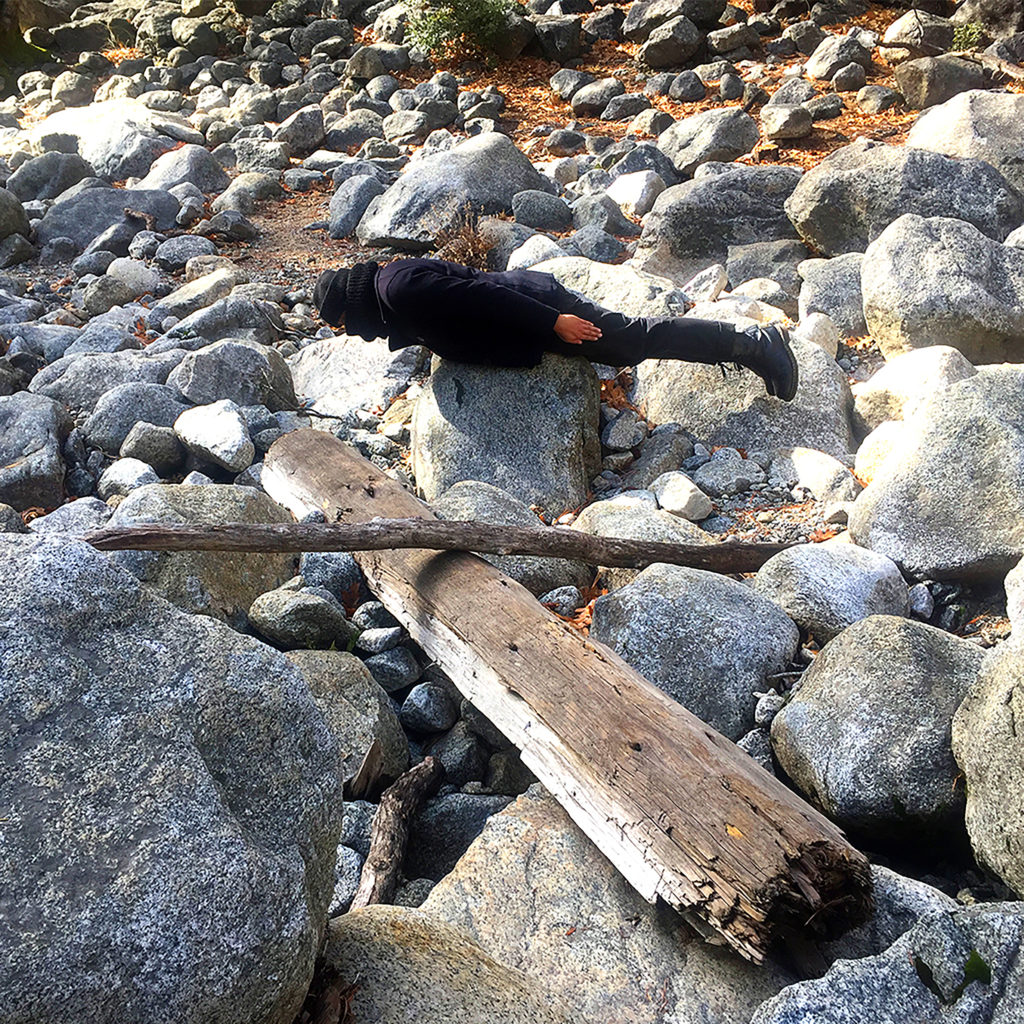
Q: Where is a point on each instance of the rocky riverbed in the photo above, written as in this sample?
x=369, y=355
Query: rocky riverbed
x=182, y=731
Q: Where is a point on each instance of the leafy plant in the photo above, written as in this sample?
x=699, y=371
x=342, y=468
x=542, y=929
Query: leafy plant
x=450, y=28
x=967, y=36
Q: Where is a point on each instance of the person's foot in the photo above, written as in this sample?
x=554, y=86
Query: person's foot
x=766, y=351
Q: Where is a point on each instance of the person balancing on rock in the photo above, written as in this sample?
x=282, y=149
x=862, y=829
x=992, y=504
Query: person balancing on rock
x=511, y=318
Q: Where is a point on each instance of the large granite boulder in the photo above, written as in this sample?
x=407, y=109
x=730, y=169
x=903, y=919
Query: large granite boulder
x=989, y=747
x=341, y=374
x=693, y=225
x=479, y=502
x=955, y=965
x=220, y=584
x=824, y=588
x=32, y=429
x=855, y=193
x=905, y=380
x=883, y=693
x=120, y=138
x=984, y=125
x=481, y=174
x=537, y=894
x=532, y=432
x=940, y=281
x=706, y=640
x=999, y=18
x=948, y=502
x=173, y=805
x=621, y=288
x=737, y=411
x=404, y=965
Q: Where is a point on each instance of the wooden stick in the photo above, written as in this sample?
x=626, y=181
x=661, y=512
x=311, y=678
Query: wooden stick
x=433, y=534
x=681, y=812
x=389, y=833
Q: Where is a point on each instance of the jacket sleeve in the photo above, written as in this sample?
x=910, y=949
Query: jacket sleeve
x=433, y=297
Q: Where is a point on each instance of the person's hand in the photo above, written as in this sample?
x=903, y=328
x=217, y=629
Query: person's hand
x=575, y=330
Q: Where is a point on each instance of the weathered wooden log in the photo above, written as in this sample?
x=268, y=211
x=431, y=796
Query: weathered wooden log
x=389, y=834
x=680, y=811
x=433, y=534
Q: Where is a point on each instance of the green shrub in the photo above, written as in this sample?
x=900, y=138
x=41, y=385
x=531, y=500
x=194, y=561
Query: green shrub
x=967, y=36
x=450, y=29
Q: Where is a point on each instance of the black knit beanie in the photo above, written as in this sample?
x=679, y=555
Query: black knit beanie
x=329, y=295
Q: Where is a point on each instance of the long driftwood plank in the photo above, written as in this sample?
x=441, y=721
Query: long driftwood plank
x=434, y=534
x=680, y=811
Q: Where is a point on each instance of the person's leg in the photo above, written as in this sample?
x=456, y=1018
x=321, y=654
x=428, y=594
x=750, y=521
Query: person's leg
x=626, y=341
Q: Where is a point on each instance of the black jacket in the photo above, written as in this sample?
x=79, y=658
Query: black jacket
x=498, y=319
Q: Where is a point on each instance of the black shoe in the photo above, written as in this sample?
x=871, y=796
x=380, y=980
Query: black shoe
x=766, y=351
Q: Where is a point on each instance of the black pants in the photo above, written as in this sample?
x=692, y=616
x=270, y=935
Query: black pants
x=626, y=341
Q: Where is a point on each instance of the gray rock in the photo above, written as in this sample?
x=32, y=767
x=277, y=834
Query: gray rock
x=627, y=949
x=218, y=584
x=881, y=678
x=157, y=446
x=32, y=429
x=463, y=755
x=917, y=513
x=671, y=43
x=86, y=214
x=483, y=173
x=122, y=407
x=694, y=224
x=849, y=199
x=350, y=202
x=979, y=124
x=217, y=433
x=47, y=176
x=777, y=261
x=664, y=450
x=874, y=99
x=119, y=139
x=634, y=515
x=987, y=745
x=469, y=424
x=940, y=281
x=917, y=33
x=75, y=518
x=239, y=371
x=737, y=412
x=173, y=254
x=335, y=571
x=851, y=78
x=824, y=588
x=444, y=829
x=484, y=503
x=780, y=122
x=825, y=477
x=235, y=317
x=13, y=220
x=428, y=708
x=835, y=52
x=79, y=381
x=394, y=669
x=384, y=638
x=348, y=870
x=342, y=374
x=197, y=782
x=968, y=958
x=357, y=711
x=414, y=967
x=123, y=476
x=727, y=472
x=707, y=641
x=537, y=209
x=303, y=131
x=301, y=619
x=196, y=294
x=678, y=494
x=833, y=287
x=687, y=87
x=714, y=135
x=189, y=163
x=928, y=81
